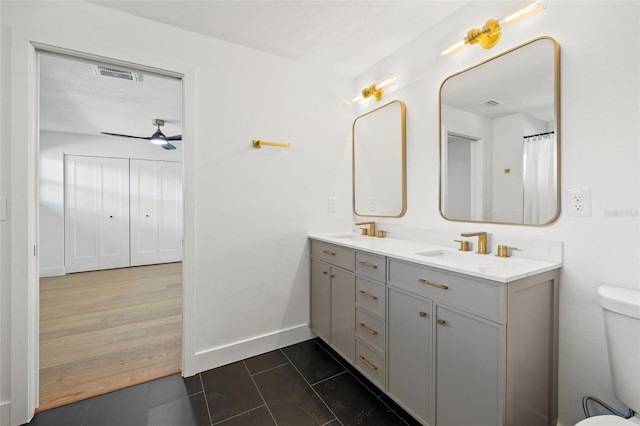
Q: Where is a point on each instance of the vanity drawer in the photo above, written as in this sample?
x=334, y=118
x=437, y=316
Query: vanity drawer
x=370, y=329
x=331, y=253
x=370, y=364
x=370, y=296
x=371, y=266
x=477, y=296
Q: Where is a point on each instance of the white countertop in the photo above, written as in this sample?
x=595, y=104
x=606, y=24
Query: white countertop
x=470, y=263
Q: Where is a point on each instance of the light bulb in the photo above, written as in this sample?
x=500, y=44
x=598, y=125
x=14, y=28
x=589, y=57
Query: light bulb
x=523, y=12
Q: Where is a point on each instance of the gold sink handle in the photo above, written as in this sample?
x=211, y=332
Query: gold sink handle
x=503, y=251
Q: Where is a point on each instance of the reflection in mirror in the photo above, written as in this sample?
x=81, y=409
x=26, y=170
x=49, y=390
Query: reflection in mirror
x=499, y=140
x=379, y=158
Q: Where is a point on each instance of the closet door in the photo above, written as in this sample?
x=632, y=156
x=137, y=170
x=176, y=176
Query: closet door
x=170, y=209
x=144, y=212
x=156, y=212
x=96, y=213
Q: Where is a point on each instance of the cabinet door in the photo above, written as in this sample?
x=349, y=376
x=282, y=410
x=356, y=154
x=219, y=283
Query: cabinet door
x=96, y=205
x=342, y=312
x=320, y=321
x=469, y=370
x=410, y=353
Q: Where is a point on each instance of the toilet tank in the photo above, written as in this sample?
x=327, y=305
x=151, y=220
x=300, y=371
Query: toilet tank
x=621, y=311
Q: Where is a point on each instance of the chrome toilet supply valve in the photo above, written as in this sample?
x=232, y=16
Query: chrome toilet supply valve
x=503, y=251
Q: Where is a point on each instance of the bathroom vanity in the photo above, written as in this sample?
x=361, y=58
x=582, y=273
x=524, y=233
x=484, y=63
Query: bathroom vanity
x=455, y=338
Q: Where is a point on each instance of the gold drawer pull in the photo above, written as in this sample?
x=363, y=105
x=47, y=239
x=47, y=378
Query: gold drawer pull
x=325, y=272
x=423, y=314
x=441, y=322
x=328, y=252
x=368, y=265
x=367, y=295
x=371, y=366
x=444, y=287
x=367, y=329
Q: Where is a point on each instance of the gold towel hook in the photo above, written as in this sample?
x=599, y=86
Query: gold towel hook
x=257, y=143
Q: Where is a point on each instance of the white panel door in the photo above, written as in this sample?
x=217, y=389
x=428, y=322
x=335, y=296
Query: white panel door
x=170, y=209
x=96, y=213
x=144, y=212
x=156, y=212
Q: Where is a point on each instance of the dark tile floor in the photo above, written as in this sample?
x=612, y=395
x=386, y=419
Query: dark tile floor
x=302, y=384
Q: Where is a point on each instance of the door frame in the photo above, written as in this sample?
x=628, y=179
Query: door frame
x=24, y=129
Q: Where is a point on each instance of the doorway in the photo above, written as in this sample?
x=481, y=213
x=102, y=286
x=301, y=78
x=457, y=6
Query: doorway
x=125, y=326
x=462, y=175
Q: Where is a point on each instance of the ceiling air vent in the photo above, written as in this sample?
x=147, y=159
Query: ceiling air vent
x=106, y=71
x=492, y=103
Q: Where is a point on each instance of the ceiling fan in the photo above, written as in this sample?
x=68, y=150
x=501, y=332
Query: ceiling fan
x=157, y=138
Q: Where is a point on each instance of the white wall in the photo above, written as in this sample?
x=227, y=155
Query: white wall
x=600, y=150
x=5, y=245
x=251, y=209
x=53, y=147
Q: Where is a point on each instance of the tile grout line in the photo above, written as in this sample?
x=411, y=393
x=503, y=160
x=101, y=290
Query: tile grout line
x=312, y=389
x=240, y=414
x=260, y=393
x=329, y=378
x=268, y=369
x=378, y=397
x=206, y=402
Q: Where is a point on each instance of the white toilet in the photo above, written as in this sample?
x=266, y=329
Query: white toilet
x=621, y=309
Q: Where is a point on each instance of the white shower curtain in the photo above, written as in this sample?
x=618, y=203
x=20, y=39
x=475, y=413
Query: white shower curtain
x=540, y=180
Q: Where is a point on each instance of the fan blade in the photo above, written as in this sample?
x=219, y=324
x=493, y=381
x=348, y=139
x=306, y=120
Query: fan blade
x=167, y=146
x=124, y=136
x=174, y=138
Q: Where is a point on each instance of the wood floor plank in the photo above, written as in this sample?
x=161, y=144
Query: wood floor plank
x=104, y=330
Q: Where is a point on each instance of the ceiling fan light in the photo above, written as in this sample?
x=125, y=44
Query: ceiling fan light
x=158, y=138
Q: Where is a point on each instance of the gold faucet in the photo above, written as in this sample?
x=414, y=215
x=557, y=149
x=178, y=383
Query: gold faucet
x=372, y=228
x=482, y=240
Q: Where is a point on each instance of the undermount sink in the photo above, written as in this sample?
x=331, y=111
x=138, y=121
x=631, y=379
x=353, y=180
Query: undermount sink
x=351, y=237
x=469, y=259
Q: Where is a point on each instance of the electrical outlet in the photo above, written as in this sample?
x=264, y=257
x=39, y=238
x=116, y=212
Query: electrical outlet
x=331, y=205
x=372, y=204
x=579, y=202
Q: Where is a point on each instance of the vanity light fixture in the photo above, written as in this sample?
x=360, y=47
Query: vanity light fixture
x=489, y=35
x=376, y=90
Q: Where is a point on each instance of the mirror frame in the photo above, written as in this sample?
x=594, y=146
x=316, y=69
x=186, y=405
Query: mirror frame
x=556, y=89
x=403, y=148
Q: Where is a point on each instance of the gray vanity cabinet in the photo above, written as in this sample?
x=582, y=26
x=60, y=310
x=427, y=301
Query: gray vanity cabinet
x=410, y=352
x=332, y=296
x=451, y=348
x=320, y=321
x=370, y=325
x=492, y=358
x=469, y=374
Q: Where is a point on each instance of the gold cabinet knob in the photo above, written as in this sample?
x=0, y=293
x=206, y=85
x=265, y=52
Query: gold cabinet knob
x=441, y=321
x=423, y=314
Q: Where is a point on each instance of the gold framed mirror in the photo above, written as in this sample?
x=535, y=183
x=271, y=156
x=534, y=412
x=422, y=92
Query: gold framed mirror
x=500, y=138
x=379, y=161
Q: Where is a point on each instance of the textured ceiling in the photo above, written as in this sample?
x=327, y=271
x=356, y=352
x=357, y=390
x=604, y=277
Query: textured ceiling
x=74, y=99
x=346, y=37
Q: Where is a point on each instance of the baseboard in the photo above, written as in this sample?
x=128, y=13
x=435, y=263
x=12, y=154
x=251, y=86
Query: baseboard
x=223, y=355
x=52, y=272
x=5, y=413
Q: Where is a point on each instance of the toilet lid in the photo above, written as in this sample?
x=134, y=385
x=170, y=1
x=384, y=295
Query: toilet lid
x=605, y=421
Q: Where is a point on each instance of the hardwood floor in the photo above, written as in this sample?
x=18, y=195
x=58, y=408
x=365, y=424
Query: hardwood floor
x=104, y=330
